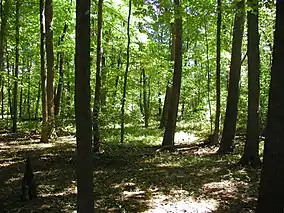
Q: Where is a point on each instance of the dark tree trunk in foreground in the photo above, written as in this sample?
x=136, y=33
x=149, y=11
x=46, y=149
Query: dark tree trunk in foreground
x=169, y=133
x=226, y=145
x=215, y=138
x=125, y=75
x=251, y=151
x=85, y=199
x=50, y=64
x=15, y=90
x=96, y=109
x=271, y=194
x=44, y=129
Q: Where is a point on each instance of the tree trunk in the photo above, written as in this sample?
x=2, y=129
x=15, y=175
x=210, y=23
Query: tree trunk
x=226, y=145
x=96, y=109
x=44, y=129
x=271, y=193
x=29, y=91
x=125, y=75
x=8, y=86
x=251, y=151
x=168, y=139
x=4, y=15
x=84, y=172
x=15, y=90
x=37, y=100
x=60, y=81
x=208, y=80
x=21, y=102
x=215, y=138
x=145, y=102
x=166, y=105
x=50, y=64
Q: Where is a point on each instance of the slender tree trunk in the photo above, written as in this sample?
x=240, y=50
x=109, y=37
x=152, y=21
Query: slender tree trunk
x=168, y=139
x=57, y=97
x=251, y=151
x=271, y=193
x=208, y=80
x=145, y=102
x=8, y=86
x=15, y=90
x=84, y=172
x=37, y=100
x=226, y=145
x=215, y=139
x=97, y=103
x=21, y=102
x=3, y=15
x=50, y=64
x=2, y=97
x=29, y=91
x=44, y=129
x=125, y=74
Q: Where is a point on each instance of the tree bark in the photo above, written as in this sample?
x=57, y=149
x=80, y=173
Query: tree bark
x=226, y=145
x=57, y=97
x=145, y=101
x=271, y=193
x=168, y=139
x=215, y=139
x=50, y=64
x=15, y=90
x=97, y=103
x=85, y=199
x=251, y=151
x=44, y=129
x=125, y=75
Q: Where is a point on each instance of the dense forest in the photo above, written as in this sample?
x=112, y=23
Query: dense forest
x=141, y=106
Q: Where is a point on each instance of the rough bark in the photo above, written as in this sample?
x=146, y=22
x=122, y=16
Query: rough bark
x=251, y=152
x=271, y=194
x=85, y=199
x=125, y=75
x=168, y=139
x=226, y=145
x=97, y=103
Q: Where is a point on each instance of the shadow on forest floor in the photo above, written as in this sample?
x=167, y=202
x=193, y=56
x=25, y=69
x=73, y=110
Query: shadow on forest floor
x=129, y=178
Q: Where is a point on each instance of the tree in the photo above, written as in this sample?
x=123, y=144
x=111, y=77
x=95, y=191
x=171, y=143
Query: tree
x=50, y=63
x=97, y=103
x=168, y=139
x=125, y=75
x=251, y=155
x=15, y=90
x=215, y=138
x=44, y=130
x=271, y=193
x=85, y=203
x=226, y=145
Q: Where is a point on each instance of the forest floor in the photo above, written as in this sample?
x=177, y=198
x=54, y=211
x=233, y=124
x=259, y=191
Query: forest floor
x=134, y=177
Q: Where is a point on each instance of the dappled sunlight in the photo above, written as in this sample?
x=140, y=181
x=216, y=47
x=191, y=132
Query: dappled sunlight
x=179, y=200
x=71, y=189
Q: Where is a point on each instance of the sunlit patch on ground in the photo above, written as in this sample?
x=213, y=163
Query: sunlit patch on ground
x=184, y=138
x=180, y=201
